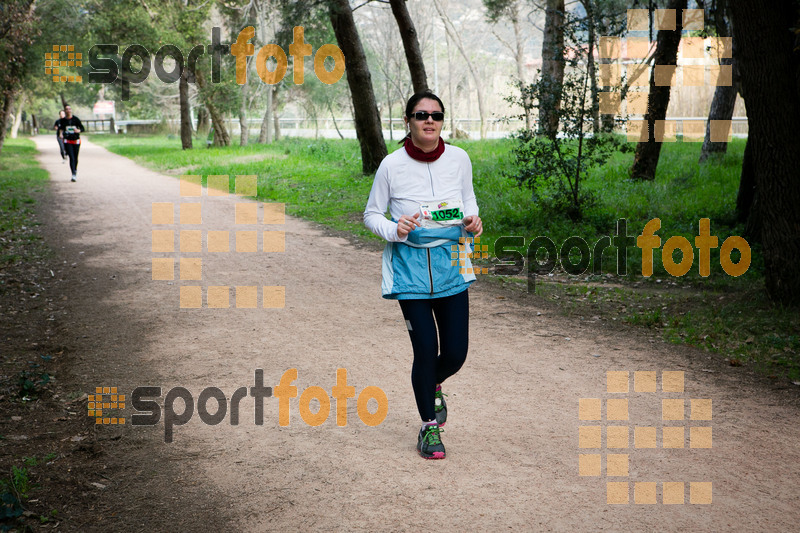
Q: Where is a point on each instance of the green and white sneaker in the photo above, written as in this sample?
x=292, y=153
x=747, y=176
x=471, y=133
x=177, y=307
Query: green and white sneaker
x=440, y=406
x=429, y=443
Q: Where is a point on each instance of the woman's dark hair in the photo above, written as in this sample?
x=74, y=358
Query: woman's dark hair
x=414, y=100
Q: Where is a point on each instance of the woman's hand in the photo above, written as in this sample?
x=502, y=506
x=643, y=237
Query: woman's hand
x=406, y=224
x=473, y=224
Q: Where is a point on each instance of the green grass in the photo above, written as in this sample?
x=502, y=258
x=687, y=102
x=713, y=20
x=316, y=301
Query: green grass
x=320, y=180
x=682, y=194
x=20, y=180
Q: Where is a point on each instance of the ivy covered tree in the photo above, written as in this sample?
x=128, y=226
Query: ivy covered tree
x=767, y=38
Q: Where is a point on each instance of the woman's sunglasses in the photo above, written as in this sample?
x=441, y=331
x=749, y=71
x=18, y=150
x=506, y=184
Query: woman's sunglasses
x=438, y=116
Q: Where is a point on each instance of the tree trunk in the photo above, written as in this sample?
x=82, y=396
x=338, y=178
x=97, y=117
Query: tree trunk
x=450, y=86
x=276, y=123
x=335, y=125
x=724, y=95
x=221, y=136
x=645, y=160
x=746, y=197
x=243, y=126
x=552, y=75
x=262, y=15
x=607, y=119
x=769, y=75
x=270, y=117
x=448, y=26
x=368, y=120
x=5, y=112
x=388, y=106
x=411, y=45
x=265, y=135
x=265, y=130
x=186, y=110
x=202, y=121
x=519, y=59
x=591, y=68
x=17, y=116
x=721, y=109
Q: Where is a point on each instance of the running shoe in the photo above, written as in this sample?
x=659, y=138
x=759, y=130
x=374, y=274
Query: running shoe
x=440, y=406
x=74, y=177
x=429, y=443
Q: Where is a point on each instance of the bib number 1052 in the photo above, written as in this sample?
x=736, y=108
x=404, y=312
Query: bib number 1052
x=443, y=215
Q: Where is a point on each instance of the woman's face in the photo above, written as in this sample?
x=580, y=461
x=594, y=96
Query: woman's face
x=425, y=132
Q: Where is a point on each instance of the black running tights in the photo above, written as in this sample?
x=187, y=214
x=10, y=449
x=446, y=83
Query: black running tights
x=430, y=365
x=72, y=151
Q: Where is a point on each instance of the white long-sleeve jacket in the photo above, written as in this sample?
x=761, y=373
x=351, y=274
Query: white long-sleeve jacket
x=403, y=184
x=420, y=265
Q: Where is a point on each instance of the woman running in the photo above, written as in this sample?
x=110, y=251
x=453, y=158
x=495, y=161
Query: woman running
x=427, y=187
x=70, y=128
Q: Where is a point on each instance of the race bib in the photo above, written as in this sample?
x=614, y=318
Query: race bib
x=440, y=214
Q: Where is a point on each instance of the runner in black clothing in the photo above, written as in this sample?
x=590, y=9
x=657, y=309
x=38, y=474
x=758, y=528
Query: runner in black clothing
x=58, y=136
x=70, y=128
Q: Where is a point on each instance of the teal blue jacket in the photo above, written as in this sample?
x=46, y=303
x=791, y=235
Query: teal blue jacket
x=427, y=265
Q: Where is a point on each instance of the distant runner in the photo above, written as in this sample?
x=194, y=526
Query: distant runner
x=427, y=186
x=58, y=136
x=70, y=128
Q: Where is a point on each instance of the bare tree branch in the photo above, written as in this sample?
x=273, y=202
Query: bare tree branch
x=451, y=31
x=369, y=2
x=503, y=41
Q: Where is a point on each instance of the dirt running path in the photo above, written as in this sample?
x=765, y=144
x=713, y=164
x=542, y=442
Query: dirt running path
x=513, y=434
